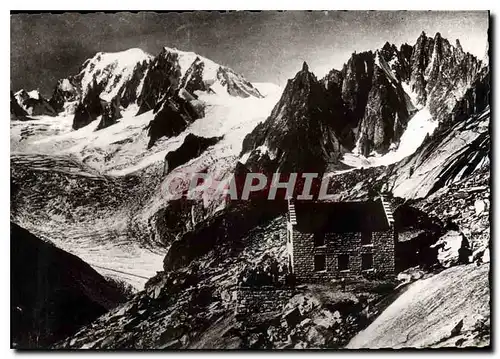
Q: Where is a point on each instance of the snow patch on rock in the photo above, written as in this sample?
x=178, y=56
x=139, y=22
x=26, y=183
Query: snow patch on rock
x=34, y=94
x=420, y=125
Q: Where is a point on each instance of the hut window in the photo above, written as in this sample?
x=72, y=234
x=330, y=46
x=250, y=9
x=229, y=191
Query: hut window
x=367, y=261
x=343, y=262
x=366, y=238
x=319, y=239
x=319, y=262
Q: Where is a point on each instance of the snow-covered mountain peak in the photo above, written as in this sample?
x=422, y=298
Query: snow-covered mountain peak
x=198, y=73
x=126, y=58
x=306, y=129
x=113, y=69
x=187, y=58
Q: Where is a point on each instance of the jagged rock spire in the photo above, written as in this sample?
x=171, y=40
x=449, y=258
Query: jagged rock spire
x=306, y=129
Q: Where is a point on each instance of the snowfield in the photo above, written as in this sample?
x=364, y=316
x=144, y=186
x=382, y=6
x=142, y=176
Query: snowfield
x=420, y=125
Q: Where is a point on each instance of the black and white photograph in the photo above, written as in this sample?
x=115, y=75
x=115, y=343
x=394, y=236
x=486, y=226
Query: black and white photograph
x=250, y=180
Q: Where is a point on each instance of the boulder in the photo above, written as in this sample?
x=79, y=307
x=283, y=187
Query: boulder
x=293, y=317
x=453, y=248
x=314, y=338
x=479, y=206
x=327, y=319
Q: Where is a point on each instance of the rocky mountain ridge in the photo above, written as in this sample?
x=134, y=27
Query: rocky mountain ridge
x=304, y=116
x=368, y=104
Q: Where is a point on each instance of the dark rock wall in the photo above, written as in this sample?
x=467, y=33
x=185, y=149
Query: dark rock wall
x=60, y=96
x=174, y=116
x=89, y=108
x=192, y=147
x=15, y=109
x=110, y=113
x=161, y=80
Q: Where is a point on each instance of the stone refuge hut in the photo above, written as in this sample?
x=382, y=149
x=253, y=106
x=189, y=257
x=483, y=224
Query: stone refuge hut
x=334, y=240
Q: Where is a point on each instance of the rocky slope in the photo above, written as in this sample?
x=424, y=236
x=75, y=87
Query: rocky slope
x=177, y=307
x=53, y=293
x=449, y=309
x=460, y=146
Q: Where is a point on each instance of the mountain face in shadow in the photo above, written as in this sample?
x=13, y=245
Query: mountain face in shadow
x=53, y=293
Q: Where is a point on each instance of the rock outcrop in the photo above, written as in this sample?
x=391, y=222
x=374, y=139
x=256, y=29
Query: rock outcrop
x=33, y=103
x=16, y=111
x=110, y=113
x=89, y=108
x=66, y=91
x=192, y=147
x=171, y=118
x=385, y=115
x=304, y=131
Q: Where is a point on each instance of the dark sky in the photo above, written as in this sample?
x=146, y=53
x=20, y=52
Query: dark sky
x=263, y=46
